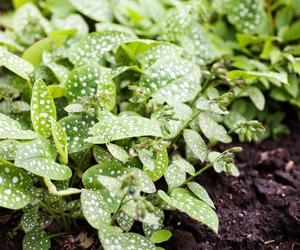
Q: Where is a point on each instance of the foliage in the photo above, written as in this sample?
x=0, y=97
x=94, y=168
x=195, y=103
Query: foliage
x=100, y=100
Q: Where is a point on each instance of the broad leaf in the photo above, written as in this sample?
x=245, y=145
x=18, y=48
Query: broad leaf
x=160, y=236
x=111, y=128
x=30, y=218
x=15, y=64
x=42, y=109
x=36, y=239
x=11, y=129
x=8, y=149
x=125, y=221
x=93, y=47
x=195, y=143
x=118, y=152
x=183, y=164
x=150, y=228
x=101, y=155
x=90, y=81
x=184, y=201
x=95, y=209
x=212, y=130
x=256, y=97
x=200, y=192
x=37, y=157
x=174, y=176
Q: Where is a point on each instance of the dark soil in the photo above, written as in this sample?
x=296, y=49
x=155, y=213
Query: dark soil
x=258, y=210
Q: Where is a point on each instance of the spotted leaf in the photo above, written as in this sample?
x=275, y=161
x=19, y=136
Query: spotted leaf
x=150, y=228
x=8, y=149
x=168, y=79
x=91, y=81
x=93, y=47
x=184, y=201
x=111, y=128
x=100, y=10
x=30, y=218
x=42, y=108
x=11, y=129
x=38, y=157
x=112, y=238
x=195, y=143
x=94, y=208
x=13, y=182
x=36, y=239
x=15, y=64
x=118, y=152
x=101, y=155
x=142, y=180
x=183, y=164
x=174, y=176
x=60, y=140
x=212, y=130
x=200, y=192
x=125, y=221
x=76, y=128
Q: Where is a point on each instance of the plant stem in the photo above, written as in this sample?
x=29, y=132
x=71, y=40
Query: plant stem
x=62, y=212
x=196, y=174
x=118, y=210
x=49, y=209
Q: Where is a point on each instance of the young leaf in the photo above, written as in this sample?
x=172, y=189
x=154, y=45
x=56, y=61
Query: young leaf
x=76, y=128
x=89, y=81
x=11, y=129
x=212, y=130
x=101, y=155
x=13, y=182
x=183, y=164
x=160, y=236
x=111, y=128
x=184, y=201
x=256, y=97
x=60, y=140
x=196, y=144
x=100, y=10
x=15, y=64
x=174, y=176
x=42, y=108
x=125, y=221
x=142, y=180
x=36, y=239
x=93, y=47
x=95, y=209
x=30, y=219
x=118, y=152
x=200, y=192
x=37, y=157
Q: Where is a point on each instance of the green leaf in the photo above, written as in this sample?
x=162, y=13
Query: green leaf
x=36, y=239
x=93, y=47
x=91, y=80
x=13, y=184
x=30, y=218
x=195, y=143
x=118, y=152
x=73, y=21
x=42, y=108
x=168, y=79
x=183, y=164
x=15, y=64
x=8, y=149
x=111, y=128
x=174, y=176
x=60, y=140
x=256, y=97
x=125, y=221
x=212, y=130
x=100, y=10
x=150, y=228
x=160, y=236
x=184, y=201
x=112, y=238
x=200, y=192
x=142, y=180
x=95, y=209
x=38, y=157
x=155, y=168
x=101, y=155
x=76, y=128
x=11, y=129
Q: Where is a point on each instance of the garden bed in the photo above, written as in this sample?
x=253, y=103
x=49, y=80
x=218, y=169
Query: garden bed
x=258, y=210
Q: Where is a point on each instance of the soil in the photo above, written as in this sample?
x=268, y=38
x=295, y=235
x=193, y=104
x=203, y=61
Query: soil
x=258, y=210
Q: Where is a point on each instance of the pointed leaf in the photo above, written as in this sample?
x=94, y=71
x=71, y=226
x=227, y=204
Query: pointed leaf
x=196, y=144
x=257, y=97
x=30, y=219
x=150, y=228
x=15, y=64
x=160, y=236
x=93, y=47
x=118, y=152
x=42, y=108
x=200, y=192
x=8, y=149
x=111, y=128
x=142, y=180
x=125, y=221
x=94, y=208
x=183, y=164
x=37, y=157
x=101, y=155
x=174, y=176
x=36, y=239
x=184, y=201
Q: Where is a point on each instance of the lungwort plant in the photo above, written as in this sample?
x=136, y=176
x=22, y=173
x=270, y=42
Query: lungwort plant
x=93, y=124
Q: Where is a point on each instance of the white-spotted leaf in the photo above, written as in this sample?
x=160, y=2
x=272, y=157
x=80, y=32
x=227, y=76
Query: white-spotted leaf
x=30, y=218
x=195, y=143
x=125, y=221
x=118, y=152
x=200, y=192
x=94, y=208
x=183, y=164
x=37, y=157
x=150, y=228
x=42, y=108
x=101, y=155
x=184, y=201
x=8, y=149
x=36, y=239
x=174, y=176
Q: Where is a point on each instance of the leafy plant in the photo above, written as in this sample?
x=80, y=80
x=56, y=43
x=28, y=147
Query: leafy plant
x=103, y=116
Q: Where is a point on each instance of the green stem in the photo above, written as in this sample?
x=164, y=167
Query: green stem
x=53, y=190
x=196, y=174
x=49, y=209
x=62, y=212
x=118, y=210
